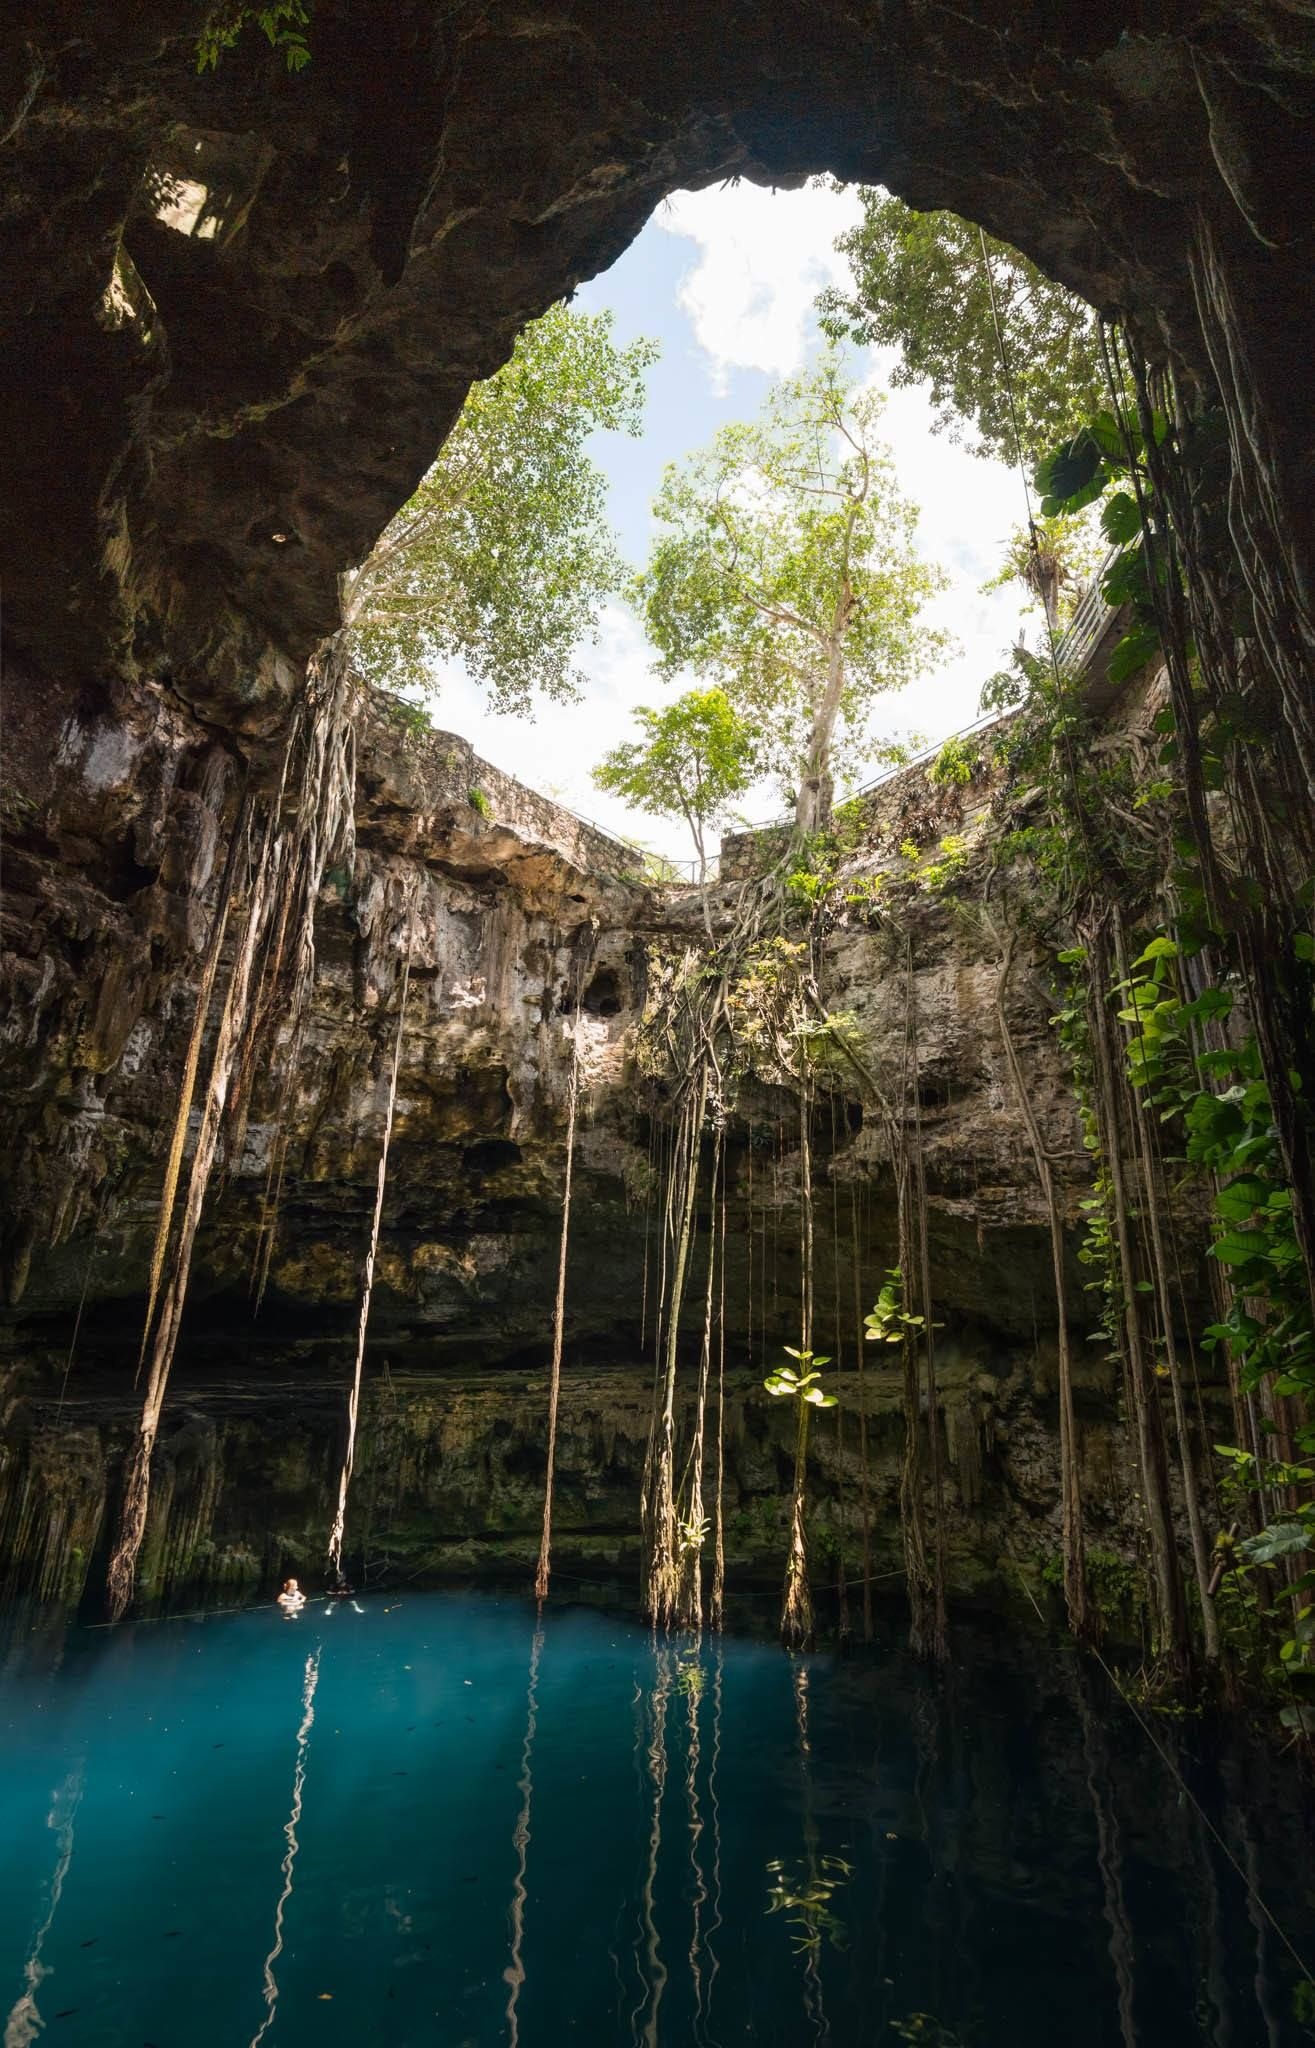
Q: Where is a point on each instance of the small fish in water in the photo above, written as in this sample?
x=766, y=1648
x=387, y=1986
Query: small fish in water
x=172, y=1933
x=68, y=2012
x=89, y=1944
x=399, y=1774
x=216, y=1745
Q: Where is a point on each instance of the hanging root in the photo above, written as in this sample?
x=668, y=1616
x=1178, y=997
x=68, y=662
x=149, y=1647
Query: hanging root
x=559, y=1313
x=797, y=1624
x=318, y=775
x=1083, y=1617
x=338, y=1530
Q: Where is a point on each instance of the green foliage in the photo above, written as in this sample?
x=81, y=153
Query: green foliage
x=1084, y=468
x=479, y=802
x=805, y=1384
x=409, y=718
x=1221, y=1102
x=918, y=284
x=695, y=756
x=942, y=873
x=924, y=2030
x=784, y=570
x=804, y=1894
x=282, y=23
x=504, y=555
x=890, y=1322
x=956, y=764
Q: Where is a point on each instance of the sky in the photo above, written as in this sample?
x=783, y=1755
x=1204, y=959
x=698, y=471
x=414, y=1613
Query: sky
x=725, y=280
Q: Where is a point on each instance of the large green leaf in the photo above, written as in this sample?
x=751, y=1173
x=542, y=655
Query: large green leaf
x=1133, y=652
x=1120, y=519
x=1280, y=1539
x=1073, y=476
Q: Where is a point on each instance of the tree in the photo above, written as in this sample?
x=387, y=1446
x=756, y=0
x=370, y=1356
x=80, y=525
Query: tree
x=785, y=572
x=694, y=757
x=504, y=554
x=919, y=284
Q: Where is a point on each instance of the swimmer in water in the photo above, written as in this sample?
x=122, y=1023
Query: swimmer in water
x=291, y=1599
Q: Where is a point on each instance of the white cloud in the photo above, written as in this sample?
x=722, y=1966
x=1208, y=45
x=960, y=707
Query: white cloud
x=763, y=258
x=969, y=507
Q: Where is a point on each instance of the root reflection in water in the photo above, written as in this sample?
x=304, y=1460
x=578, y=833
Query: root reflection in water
x=25, y=2021
x=310, y=1680
x=514, y=1974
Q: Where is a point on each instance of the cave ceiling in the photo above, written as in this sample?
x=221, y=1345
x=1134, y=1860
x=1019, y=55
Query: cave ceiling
x=242, y=308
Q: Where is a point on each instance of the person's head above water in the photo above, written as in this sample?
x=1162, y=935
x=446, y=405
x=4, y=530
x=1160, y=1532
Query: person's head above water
x=291, y=1586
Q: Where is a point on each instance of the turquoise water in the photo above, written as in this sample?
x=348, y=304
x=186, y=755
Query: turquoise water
x=432, y=1823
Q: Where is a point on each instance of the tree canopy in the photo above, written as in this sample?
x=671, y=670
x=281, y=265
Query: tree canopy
x=505, y=555
x=695, y=756
x=919, y=285
x=784, y=571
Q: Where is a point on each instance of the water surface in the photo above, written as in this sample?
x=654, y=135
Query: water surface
x=433, y=1822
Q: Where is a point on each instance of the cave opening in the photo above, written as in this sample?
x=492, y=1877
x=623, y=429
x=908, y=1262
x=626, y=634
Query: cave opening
x=924, y=1201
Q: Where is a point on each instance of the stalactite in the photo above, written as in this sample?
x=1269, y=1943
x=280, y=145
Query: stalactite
x=559, y=1317
x=1082, y=1616
x=338, y=1530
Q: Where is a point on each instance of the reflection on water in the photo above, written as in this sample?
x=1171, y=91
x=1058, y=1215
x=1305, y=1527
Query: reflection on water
x=509, y=1832
x=25, y=2021
x=289, y=1864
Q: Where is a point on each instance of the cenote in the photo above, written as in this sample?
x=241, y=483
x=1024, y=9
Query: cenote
x=657, y=1367
x=445, y=1819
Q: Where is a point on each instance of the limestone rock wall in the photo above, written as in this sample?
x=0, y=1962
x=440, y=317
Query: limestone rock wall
x=514, y=916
